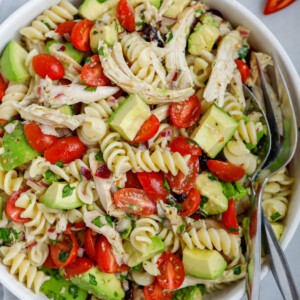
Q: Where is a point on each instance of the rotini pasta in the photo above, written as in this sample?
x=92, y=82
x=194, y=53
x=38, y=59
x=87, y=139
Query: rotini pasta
x=10, y=182
x=247, y=132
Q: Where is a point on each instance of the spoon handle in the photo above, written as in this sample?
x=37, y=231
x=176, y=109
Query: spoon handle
x=278, y=262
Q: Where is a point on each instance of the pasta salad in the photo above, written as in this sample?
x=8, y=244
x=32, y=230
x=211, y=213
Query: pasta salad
x=126, y=148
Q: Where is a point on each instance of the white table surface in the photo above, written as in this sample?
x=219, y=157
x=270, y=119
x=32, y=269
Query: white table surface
x=285, y=25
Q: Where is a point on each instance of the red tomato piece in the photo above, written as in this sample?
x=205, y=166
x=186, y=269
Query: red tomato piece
x=123, y=268
x=2, y=124
x=47, y=65
x=77, y=267
x=80, y=35
x=229, y=218
x=106, y=260
x=147, y=131
x=36, y=138
x=65, y=27
x=171, y=271
x=156, y=292
x=184, y=146
x=65, y=149
x=14, y=212
x=90, y=241
x=49, y=263
x=132, y=181
x=92, y=73
x=79, y=225
x=135, y=201
x=191, y=203
x=273, y=6
x=65, y=252
x=181, y=183
x=153, y=184
x=243, y=68
x=225, y=171
x=186, y=113
x=3, y=87
x=126, y=16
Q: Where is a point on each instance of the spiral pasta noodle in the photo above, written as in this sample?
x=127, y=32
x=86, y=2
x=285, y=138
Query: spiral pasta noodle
x=28, y=61
x=10, y=182
x=49, y=20
x=38, y=253
x=162, y=138
x=170, y=240
x=247, y=132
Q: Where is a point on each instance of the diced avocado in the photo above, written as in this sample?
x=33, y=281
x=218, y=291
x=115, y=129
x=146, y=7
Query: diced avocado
x=12, y=62
x=216, y=202
x=94, y=9
x=155, y=3
x=102, y=285
x=194, y=292
x=106, y=33
x=57, y=287
x=204, y=264
x=69, y=49
x=215, y=129
x=67, y=110
x=136, y=257
x=176, y=8
x=278, y=229
x=234, y=190
x=203, y=38
x=62, y=195
x=17, y=150
x=207, y=19
x=128, y=118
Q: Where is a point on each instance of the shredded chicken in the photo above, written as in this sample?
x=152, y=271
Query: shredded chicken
x=223, y=68
x=109, y=232
x=59, y=95
x=117, y=70
x=236, y=88
x=171, y=214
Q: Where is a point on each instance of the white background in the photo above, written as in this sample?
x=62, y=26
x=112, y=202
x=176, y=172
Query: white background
x=286, y=26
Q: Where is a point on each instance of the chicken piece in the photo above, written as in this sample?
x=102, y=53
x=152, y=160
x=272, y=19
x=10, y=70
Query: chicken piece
x=223, y=69
x=236, y=88
x=48, y=116
x=59, y=95
x=109, y=232
x=117, y=70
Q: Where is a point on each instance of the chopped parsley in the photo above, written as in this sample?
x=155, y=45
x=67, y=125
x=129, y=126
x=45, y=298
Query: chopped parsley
x=101, y=51
x=140, y=24
x=181, y=228
x=99, y=156
x=73, y=291
x=137, y=267
x=211, y=177
x=88, y=61
x=259, y=136
x=63, y=256
x=67, y=190
x=97, y=222
x=167, y=186
x=115, y=294
x=170, y=36
x=7, y=235
x=243, y=52
x=54, y=242
x=237, y=270
x=92, y=279
x=204, y=200
x=47, y=24
x=109, y=220
x=101, y=1
x=50, y=177
x=124, y=277
x=91, y=88
x=95, y=32
x=275, y=216
x=59, y=163
x=232, y=229
x=199, y=11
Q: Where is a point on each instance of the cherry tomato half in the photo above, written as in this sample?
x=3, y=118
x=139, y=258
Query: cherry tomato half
x=3, y=122
x=49, y=263
x=65, y=27
x=171, y=271
x=36, y=138
x=92, y=73
x=126, y=16
x=225, y=171
x=65, y=149
x=181, y=183
x=90, y=241
x=135, y=201
x=77, y=267
x=186, y=113
x=184, y=146
x=147, y=131
x=156, y=292
x=64, y=252
x=132, y=180
x=191, y=203
x=14, y=212
x=229, y=218
x=276, y=5
x=243, y=68
x=47, y=65
x=106, y=260
x=3, y=87
x=153, y=184
x=80, y=35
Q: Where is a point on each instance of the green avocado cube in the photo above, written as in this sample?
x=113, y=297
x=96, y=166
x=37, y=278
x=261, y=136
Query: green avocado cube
x=62, y=195
x=66, y=109
x=102, y=285
x=176, y=8
x=155, y=3
x=194, y=292
x=129, y=117
x=204, y=264
x=17, y=150
x=215, y=129
x=136, y=257
x=94, y=9
x=12, y=62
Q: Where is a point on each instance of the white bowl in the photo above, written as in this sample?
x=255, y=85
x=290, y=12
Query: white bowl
x=261, y=38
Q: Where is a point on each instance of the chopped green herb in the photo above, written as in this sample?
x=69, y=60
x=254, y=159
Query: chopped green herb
x=181, y=228
x=99, y=156
x=73, y=291
x=275, y=216
x=133, y=224
x=50, y=177
x=67, y=190
x=101, y=1
x=115, y=294
x=124, y=277
x=167, y=186
x=7, y=235
x=199, y=11
x=97, y=222
x=179, y=207
x=95, y=32
x=243, y=52
x=232, y=229
x=137, y=267
x=109, y=220
x=59, y=163
x=128, y=215
x=54, y=242
x=143, y=17
x=170, y=36
x=259, y=136
x=47, y=24
x=211, y=177
x=204, y=200
x=101, y=51
x=140, y=24
x=203, y=213
x=91, y=88
x=92, y=279
x=237, y=270
x=88, y=61
x=63, y=256
x=10, y=120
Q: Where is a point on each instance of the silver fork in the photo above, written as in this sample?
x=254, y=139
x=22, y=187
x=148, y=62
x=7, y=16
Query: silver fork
x=282, y=150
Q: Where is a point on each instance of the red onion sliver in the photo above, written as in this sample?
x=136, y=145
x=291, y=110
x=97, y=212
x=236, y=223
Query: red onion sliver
x=147, y=145
x=51, y=230
x=76, y=69
x=165, y=133
x=245, y=33
x=103, y=172
x=80, y=252
x=85, y=173
x=39, y=91
x=31, y=245
x=62, y=48
x=58, y=95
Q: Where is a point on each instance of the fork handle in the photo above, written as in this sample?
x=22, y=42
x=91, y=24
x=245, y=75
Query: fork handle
x=278, y=262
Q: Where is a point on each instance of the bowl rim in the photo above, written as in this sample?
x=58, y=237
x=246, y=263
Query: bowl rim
x=35, y=7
